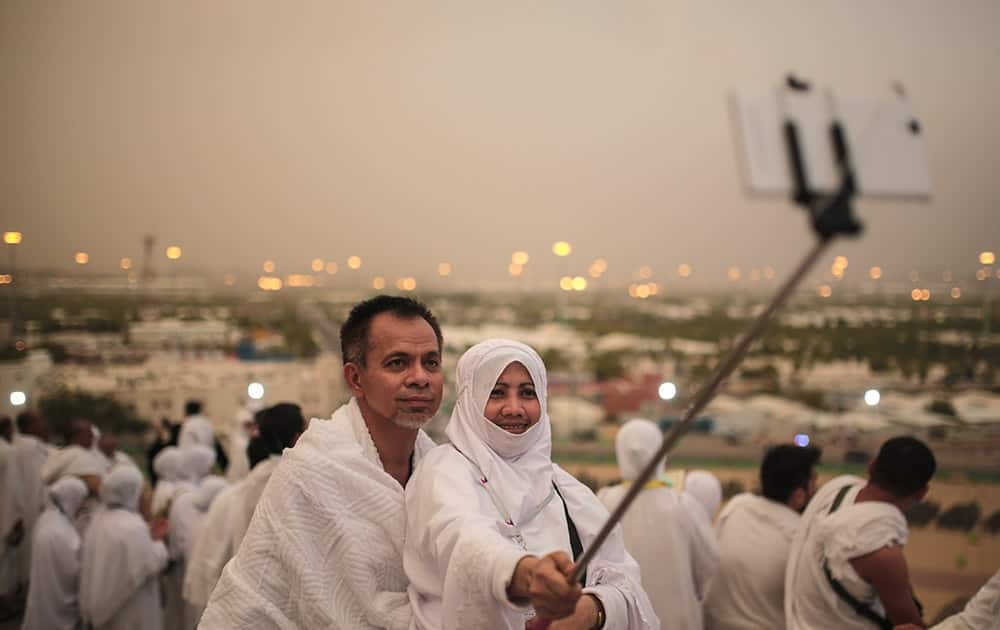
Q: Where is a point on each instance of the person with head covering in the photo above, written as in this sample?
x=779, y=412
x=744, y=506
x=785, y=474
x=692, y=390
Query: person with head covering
x=11, y=520
x=279, y=427
x=330, y=525
x=493, y=526
x=755, y=533
x=673, y=545
x=846, y=567
x=31, y=451
x=186, y=516
x=244, y=428
x=705, y=489
x=195, y=463
x=78, y=459
x=107, y=446
x=196, y=429
x=122, y=559
x=168, y=474
x=55, y=561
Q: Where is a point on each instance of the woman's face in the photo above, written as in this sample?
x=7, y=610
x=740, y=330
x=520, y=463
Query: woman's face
x=513, y=404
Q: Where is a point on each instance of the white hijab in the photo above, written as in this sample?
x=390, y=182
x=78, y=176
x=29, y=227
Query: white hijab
x=196, y=462
x=705, y=488
x=636, y=443
x=118, y=553
x=67, y=495
x=167, y=464
x=518, y=467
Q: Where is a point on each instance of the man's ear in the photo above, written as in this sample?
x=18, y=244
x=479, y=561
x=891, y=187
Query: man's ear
x=921, y=494
x=352, y=376
x=797, y=500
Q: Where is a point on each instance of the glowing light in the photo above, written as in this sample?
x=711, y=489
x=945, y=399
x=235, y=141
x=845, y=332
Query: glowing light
x=645, y=272
x=18, y=398
x=354, y=262
x=125, y=264
x=987, y=258
x=594, y=272
x=801, y=439
x=520, y=258
x=642, y=291
x=667, y=391
x=269, y=283
x=317, y=265
x=6, y=278
x=378, y=283
x=956, y=293
x=444, y=269
x=684, y=270
x=331, y=267
x=840, y=261
x=566, y=283
x=601, y=263
x=81, y=258
x=409, y=284
x=872, y=397
x=515, y=269
x=579, y=283
x=633, y=290
x=299, y=280
x=733, y=273
x=825, y=291
x=255, y=391
x=838, y=272
x=173, y=252
x=915, y=294
x=925, y=295
x=269, y=266
x=875, y=273
x=12, y=238
x=653, y=288
x=982, y=274
x=561, y=248
x=229, y=279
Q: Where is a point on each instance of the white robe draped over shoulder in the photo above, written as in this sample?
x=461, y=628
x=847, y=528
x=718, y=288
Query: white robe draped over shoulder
x=324, y=548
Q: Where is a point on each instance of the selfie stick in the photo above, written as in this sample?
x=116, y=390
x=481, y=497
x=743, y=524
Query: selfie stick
x=831, y=216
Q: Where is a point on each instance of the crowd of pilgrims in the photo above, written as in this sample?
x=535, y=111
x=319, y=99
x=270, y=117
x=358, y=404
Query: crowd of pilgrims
x=91, y=541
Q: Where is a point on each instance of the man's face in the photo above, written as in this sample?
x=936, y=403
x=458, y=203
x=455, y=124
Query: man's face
x=401, y=381
x=107, y=445
x=84, y=435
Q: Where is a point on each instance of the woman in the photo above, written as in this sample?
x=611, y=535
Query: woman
x=122, y=559
x=491, y=520
x=55, y=560
x=167, y=465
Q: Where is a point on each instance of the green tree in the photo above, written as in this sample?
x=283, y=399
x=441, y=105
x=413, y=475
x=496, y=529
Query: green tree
x=62, y=406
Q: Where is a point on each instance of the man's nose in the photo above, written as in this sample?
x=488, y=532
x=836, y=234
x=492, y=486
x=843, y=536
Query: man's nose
x=418, y=376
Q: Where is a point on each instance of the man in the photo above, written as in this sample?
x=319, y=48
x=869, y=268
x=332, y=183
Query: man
x=665, y=531
x=11, y=520
x=754, y=534
x=31, y=451
x=846, y=567
x=324, y=547
x=108, y=447
x=196, y=429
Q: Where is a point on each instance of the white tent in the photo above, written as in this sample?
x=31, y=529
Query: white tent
x=977, y=407
x=571, y=414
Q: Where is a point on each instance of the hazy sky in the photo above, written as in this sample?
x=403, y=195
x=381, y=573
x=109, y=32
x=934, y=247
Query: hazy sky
x=415, y=132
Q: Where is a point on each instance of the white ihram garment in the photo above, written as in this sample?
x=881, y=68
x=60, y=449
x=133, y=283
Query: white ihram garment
x=11, y=513
x=236, y=447
x=664, y=531
x=748, y=590
x=324, y=549
x=981, y=613
x=55, y=563
x=167, y=466
x=30, y=453
x=186, y=516
x=212, y=550
x=461, y=550
x=853, y=530
x=245, y=498
x=119, y=585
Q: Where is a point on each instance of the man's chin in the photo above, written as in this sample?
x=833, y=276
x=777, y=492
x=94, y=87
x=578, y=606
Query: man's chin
x=407, y=421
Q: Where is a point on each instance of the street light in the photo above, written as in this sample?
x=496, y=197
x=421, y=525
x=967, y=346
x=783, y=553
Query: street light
x=173, y=252
x=255, y=391
x=12, y=238
x=18, y=398
x=561, y=248
x=872, y=397
x=987, y=258
x=667, y=391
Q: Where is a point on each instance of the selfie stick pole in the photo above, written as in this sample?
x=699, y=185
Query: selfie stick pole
x=831, y=216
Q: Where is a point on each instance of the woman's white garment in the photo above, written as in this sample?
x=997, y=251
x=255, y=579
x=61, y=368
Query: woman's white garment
x=461, y=550
x=748, y=590
x=11, y=513
x=118, y=458
x=704, y=487
x=186, y=515
x=981, y=613
x=119, y=586
x=675, y=548
x=196, y=462
x=853, y=530
x=245, y=498
x=236, y=447
x=31, y=454
x=213, y=547
x=55, y=562
x=167, y=466
x=324, y=549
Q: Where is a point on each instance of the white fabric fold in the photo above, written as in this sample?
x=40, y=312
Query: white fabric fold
x=324, y=547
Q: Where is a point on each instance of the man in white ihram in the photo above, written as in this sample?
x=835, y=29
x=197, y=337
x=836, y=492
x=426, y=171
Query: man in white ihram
x=324, y=547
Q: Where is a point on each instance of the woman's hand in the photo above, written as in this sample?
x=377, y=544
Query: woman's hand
x=544, y=583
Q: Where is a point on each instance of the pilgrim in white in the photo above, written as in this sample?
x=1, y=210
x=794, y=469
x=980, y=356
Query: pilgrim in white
x=491, y=521
x=664, y=532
